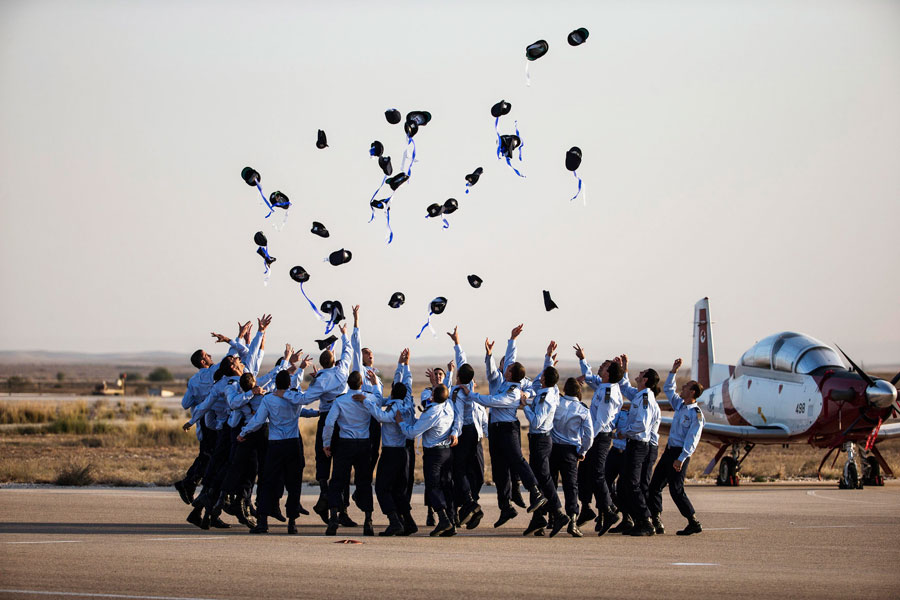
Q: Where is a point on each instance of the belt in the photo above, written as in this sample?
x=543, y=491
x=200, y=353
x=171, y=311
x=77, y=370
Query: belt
x=539, y=433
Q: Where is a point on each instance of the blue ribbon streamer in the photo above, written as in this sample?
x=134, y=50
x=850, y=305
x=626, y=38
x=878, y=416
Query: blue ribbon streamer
x=575, y=173
x=271, y=210
x=521, y=141
x=412, y=159
x=331, y=322
x=446, y=224
x=427, y=323
x=387, y=210
x=383, y=179
x=311, y=303
x=515, y=170
x=265, y=260
x=499, y=141
x=467, y=187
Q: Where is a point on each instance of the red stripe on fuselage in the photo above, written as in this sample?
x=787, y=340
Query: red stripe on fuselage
x=731, y=413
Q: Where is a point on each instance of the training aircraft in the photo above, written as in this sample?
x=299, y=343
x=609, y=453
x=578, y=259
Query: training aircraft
x=791, y=388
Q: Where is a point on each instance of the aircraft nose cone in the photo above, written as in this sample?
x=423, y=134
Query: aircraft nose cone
x=882, y=394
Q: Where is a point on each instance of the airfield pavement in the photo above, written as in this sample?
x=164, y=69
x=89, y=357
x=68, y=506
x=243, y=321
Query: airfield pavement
x=787, y=540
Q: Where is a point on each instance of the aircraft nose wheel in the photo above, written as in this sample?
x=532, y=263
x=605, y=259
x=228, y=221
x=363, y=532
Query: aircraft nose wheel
x=850, y=479
x=728, y=467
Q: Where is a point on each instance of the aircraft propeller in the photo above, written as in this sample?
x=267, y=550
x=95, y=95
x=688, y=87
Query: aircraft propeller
x=879, y=393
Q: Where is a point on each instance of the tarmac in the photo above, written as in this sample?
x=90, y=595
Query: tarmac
x=787, y=540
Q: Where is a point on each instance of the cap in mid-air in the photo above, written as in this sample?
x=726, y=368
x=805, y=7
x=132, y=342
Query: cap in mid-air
x=475, y=281
x=319, y=230
x=438, y=305
x=250, y=176
x=450, y=206
x=259, y=238
x=397, y=300
x=299, y=274
x=472, y=178
x=508, y=144
x=419, y=117
x=326, y=342
x=397, y=180
x=385, y=163
x=549, y=304
x=573, y=158
x=500, y=109
x=393, y=116
x=536, y=50
x=578, y=37
x=279, y=200
x=339, y=257
x=411, y=128
x=435, y=210
x=321, y=140
x=333, y=308
x=376, y=149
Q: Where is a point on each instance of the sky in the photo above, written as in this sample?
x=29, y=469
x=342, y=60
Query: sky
x=743, y=151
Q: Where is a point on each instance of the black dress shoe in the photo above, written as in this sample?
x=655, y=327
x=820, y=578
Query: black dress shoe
x=606, y=521
x=537, y=522
x=693, y=527
x=260, y=529
x=573, y=529
x=429, y=520
x=219, y=523
x=560, y=520
x=346, y=521
x=516, y=496
x=658, y=526
x=539, y=501
x=277, y=514
x=586, y=514
x=475, y=521
x=183, y=492
x=367, y=528
x=292, y=527
x=505, y=515
x=302, y=510
x=204, y=524
x=195, y=517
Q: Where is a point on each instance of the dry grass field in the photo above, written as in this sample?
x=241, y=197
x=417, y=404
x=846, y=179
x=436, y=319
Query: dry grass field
x=140, y=442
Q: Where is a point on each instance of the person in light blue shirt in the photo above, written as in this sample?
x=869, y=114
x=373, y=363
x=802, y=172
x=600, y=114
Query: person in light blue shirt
x=684, y=435
x=642, y=416
x=330, y=382
x=503, y=439
x=390, y=484
x=348, y=420
x=605, y=405
x=284, y=454
x=434, y=426
x=468, y=455
x=615, y=465
x=572, y=436
x=364, y=362
x=540, y=413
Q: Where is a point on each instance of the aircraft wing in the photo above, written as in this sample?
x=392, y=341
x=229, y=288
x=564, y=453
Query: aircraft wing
x=716, y=432
x=891, y=430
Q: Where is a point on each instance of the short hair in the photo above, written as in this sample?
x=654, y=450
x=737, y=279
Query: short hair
x=517, y=372
x=443, y=372
x=326, y=359
x=614, y=370
x=572, y=388
x=399, y=390
x=466, y=374
x=354, y=380
x=247, y=381
x=196, y=358
x=218, y=374
x=652, y=378
x=696, y=387
x=439, y=394
x=551, y=376
x=283, y=380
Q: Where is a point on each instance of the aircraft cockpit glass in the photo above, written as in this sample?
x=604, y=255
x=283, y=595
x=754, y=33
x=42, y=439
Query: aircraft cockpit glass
x=790, y=352
x=815, y=358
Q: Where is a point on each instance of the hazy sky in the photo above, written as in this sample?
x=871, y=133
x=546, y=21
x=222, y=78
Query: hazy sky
x=745, y=151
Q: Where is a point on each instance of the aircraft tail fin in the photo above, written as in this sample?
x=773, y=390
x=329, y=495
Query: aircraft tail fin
x=703, y=357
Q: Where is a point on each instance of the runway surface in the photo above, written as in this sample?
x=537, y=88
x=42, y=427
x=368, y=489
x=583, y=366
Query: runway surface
x=761, y=540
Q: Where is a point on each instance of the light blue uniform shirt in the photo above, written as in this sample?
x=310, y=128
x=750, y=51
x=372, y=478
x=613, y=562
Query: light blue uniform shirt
x=542, y=409
x=643, y=416
x=503, y=404
x=434, y=426
x=350, y=415
x=687, y=422
x=357, y=365
x=282, y=415
x=606, y=402
x=572, y=425
x=244, y=404
x=384, y=410
x=329, y=384
x=619, y=425
x=199, y=386
x=215, y=404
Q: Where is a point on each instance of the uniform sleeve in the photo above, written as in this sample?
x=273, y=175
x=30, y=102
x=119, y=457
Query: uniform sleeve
x=262, y=413
x=254, y=353
x=458, y=411
x=447, y=381
x=236, y=397
x=460, y=356
x=493, y=375
x=382, y=416
x=416, y=427
x=202, y=408
x=669, y=388
x=267, y=381
x=309, y=413
x=238, y=347
x=511, y=353
x=373, y=388
x=346, y=356
x=639, y=419
x=506, y=399
x=190, y=397
x=531, y=416
x=628, y=390
x=587, y=434
x=312, y=393
x=693, y=435
x=328, y=431
x=356, y=347
x=589, y=378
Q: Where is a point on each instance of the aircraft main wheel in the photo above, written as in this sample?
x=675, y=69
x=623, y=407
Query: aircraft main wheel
x=727, y=472
x=872, y=472
x=851, y=481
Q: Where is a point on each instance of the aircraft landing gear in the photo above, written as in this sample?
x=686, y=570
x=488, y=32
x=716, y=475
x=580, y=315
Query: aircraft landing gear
x=729, y=466
x=850, y=479
x=871, y=471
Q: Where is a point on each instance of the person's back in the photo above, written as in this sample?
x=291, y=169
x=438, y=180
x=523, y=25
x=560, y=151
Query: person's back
x=352, y=415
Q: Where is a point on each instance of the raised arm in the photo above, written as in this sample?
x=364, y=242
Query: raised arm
x=669, y=387
x=589, y=378
x=493, y=375
x=413, y=428
x=355, y=343
x=506, y=399
x=345, y=363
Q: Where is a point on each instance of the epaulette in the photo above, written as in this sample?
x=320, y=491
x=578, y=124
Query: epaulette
x=584, y=405
x=646, y=401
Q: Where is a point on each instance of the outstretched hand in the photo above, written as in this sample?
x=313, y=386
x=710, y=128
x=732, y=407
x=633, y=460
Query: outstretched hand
x=579, y=352
x=516, y=331
x=356, y=316
x=676, y=365
x=551, y=348
x=488, y=347
x=263, y=322
x=220, y=338
x=454, y=335
x=623, y=360
x=343, y=328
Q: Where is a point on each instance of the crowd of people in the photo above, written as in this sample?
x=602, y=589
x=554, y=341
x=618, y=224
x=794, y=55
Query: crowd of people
x=602, y=451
